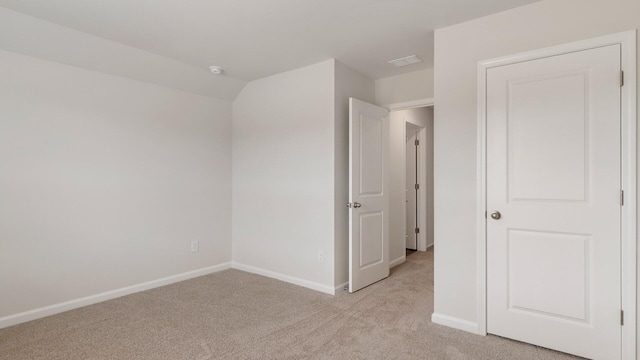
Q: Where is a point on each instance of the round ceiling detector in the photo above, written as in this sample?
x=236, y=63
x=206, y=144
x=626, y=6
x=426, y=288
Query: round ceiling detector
x=215, y=69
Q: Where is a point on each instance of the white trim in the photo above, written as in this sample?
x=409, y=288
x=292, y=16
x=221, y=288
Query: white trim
x=404, y=194
x=108, y=295
x=341, y=287
x=398, y=261
x=629, y=210
x=421, y=244
x=452, y=322
x=481, y=203
x=627, y=40
x=410, y=104
x=423, y=194
x=286, y=278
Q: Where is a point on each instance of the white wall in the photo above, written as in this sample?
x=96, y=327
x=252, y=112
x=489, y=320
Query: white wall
x=457, y=52
x=105, y=182
x=290, y=174
x=405, y=87
x=283, y=176
x=348, y=83
x=422, y=117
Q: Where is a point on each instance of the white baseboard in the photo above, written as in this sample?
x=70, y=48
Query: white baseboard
x=341, y=287
x=93, y=299
x=286, y=278
x=397, y=261
x=455, y=323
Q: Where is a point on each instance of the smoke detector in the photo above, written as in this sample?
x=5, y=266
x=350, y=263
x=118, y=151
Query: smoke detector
x=215, y=69
x=407, y=60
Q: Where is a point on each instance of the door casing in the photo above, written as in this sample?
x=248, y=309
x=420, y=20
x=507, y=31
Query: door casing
x=419, y=212
x=627, y=40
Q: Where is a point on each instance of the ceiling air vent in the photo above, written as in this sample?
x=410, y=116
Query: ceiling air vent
x=407, y=60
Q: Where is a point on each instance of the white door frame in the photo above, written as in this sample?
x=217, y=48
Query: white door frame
x=627, y=40
x=410, y=104
x=421, y=135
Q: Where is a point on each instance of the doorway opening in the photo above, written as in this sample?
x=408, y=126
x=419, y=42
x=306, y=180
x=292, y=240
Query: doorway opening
x=377, y=186
x=411, y=181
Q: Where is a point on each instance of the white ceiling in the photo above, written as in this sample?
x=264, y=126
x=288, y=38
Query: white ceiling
x=251, y=39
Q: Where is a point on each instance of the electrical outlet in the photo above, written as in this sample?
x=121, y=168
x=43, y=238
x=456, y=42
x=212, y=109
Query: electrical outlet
x=195, y=246
x=320, y=256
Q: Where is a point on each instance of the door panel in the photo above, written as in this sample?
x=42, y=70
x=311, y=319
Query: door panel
x=368, y=194
x=553, y=172
x=545, y=114
x=371, y=239
x=371, y=166
x=565, y=271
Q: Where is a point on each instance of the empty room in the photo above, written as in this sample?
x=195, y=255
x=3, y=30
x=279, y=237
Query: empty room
x=306, y=179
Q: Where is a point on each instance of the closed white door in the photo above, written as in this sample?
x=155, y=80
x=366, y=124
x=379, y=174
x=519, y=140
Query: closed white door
x=368, y=194
x=553, y=201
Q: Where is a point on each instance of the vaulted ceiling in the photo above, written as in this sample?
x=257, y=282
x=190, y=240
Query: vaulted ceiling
x=158, y=40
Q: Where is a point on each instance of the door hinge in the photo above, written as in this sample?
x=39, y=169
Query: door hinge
x=417, y=142
x=621, y=317
x=621, y=197
x=485, y=214
x=621, y=78
x=417, y=186
x=417, y=230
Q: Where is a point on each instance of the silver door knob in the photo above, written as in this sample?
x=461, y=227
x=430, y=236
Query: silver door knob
x=356, y=205
x=496, y=215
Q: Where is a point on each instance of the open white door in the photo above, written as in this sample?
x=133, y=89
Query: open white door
x=368, y=194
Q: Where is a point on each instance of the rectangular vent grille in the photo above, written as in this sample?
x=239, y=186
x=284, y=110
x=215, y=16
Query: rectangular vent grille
x=408, y=60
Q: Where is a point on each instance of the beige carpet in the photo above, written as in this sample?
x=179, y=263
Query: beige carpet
x=235, y=315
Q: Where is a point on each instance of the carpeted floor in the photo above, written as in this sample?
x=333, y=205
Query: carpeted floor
x=236, y=315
